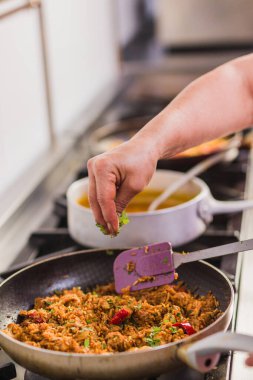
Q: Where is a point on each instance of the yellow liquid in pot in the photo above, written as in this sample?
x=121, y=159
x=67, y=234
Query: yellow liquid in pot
x=142, y=200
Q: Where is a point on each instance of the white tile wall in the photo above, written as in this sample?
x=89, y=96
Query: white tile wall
x=83, y=53
x=82, y=60
x=22, y=104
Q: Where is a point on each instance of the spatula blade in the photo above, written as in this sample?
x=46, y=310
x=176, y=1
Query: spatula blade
x=144, y=267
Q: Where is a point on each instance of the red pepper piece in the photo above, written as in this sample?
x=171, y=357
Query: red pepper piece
x=36, y=318
x=119, y=317
x=186, y=326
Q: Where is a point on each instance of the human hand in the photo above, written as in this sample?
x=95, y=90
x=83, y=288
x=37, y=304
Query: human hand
x=249, y=360
x=115, y=177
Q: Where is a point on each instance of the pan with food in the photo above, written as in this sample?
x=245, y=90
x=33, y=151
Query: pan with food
x=181, y=218
x=148, y=353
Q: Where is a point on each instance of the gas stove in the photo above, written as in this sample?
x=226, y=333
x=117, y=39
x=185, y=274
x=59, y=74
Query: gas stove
x=46, y=229
x=53, y=238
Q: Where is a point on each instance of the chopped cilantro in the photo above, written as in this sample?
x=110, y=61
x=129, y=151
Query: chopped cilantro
x=110, y=301
x=58, y=292
x=102, y=229
x=123, y=220
x=152, y=341
x=155, y=330
x=173, y=330
x=165, y=260
x=139, y=306
x=86, y=343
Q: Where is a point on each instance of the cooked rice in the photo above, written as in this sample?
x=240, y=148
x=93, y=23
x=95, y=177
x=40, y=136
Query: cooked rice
x=80, y=322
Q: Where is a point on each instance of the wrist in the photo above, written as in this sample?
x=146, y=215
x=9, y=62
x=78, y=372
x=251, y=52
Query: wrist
x=161, y=136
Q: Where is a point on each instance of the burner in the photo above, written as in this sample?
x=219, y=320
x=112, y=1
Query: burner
x=7, y=371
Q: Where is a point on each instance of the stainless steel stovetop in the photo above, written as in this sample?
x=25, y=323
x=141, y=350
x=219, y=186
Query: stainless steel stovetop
x=45, y=232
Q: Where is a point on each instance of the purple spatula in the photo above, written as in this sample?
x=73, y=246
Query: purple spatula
x=155, y=264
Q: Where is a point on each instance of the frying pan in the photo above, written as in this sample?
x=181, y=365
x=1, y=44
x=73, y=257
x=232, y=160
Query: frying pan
x=87, y=269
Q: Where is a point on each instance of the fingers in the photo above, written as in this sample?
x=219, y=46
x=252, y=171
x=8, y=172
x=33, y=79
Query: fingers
x=249, y=360
x=106, y=193
x=102, y=193
x=115, y=178
x=128, y=189
x=93, y=200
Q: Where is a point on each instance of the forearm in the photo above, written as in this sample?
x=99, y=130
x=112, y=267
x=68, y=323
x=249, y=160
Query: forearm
x=216, y=104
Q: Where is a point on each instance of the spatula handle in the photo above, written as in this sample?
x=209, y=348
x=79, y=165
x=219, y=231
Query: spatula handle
x=227, y=249
x=204, y=354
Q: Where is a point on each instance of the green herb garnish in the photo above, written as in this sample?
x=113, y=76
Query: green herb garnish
x=165, y=260
x=155, y=330
x=151, y=340
x=102, y=229
x=138, y=306
x=86, y=343
x=173, y=330
x=123, y=220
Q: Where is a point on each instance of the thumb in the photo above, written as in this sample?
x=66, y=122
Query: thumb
x=124, y=195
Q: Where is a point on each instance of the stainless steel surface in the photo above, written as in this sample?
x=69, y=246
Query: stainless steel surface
x=186, y=63
x=203, y=22
x=209, y=253
x=244, y=313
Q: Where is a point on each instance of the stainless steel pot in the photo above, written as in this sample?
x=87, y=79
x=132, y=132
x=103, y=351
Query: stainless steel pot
x=179, y=224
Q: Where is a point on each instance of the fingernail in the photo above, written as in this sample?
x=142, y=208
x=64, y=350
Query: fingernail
x=110, y=229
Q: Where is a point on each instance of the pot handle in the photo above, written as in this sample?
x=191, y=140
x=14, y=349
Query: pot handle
x=224, y=207
x=204, y=354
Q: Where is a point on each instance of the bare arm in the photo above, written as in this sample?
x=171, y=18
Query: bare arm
x=214, y=105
